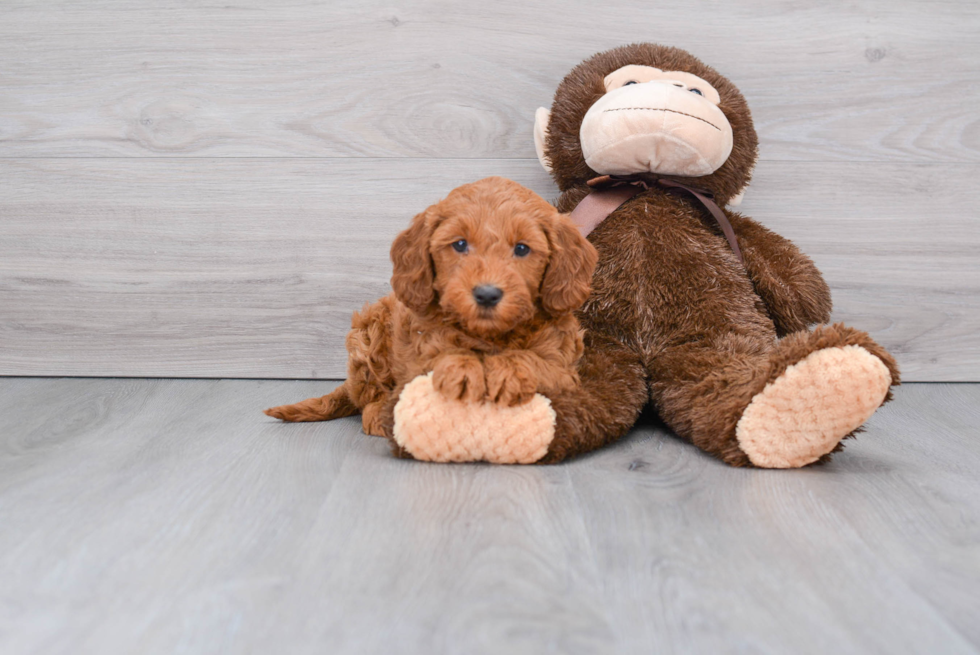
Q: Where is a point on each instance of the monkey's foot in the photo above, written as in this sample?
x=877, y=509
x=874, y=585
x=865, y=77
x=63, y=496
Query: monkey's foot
x=805, y=412
x=435, y=429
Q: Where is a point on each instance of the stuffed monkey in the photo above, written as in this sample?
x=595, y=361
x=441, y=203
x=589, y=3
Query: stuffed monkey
x=725, y=336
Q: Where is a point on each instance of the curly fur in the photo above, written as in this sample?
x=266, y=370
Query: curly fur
x=529, y=342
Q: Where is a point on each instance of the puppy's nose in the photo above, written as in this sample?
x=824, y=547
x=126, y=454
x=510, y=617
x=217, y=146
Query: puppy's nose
x=487, y=295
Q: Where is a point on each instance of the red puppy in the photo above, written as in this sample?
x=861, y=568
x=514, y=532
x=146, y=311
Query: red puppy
x=485, y=285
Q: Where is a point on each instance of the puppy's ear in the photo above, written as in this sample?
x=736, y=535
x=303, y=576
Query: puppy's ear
x=413, y=272
x=567, y=280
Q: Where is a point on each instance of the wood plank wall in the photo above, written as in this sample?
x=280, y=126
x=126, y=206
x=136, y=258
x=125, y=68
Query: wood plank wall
x=208, y=190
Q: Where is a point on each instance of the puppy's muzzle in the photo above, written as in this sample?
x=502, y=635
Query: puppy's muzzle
x=487, y=295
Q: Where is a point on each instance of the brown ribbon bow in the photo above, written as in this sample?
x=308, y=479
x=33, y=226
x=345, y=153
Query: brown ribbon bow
x=609, y=192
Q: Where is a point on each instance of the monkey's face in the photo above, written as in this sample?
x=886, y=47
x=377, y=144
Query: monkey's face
x=655, y=121
x=648, y=108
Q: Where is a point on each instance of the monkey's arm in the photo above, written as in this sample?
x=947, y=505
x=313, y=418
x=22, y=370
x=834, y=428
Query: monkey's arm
x=790, y=285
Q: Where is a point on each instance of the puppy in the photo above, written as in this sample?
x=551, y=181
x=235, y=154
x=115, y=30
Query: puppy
x=485, y=285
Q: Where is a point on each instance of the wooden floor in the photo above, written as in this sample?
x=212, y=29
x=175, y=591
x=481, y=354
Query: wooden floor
x=163, y=516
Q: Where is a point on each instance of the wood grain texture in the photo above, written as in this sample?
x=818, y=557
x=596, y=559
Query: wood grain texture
x=251, y=268
x=169, y=515
x=868, y=81
x=879, y=551
x=204, y=190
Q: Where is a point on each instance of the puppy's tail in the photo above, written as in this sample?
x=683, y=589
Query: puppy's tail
x=335, y=404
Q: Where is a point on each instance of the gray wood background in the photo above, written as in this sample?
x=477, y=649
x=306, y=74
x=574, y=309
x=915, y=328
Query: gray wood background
x=190, y=189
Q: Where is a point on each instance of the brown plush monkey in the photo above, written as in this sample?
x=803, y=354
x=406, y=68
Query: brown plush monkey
x=717, y=334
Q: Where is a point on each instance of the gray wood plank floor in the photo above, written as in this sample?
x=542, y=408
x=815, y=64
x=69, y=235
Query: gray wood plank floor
x=161, y=516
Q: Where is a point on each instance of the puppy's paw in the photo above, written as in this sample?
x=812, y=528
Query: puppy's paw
x=460, y=377
x=373, y=418
x=510, y=380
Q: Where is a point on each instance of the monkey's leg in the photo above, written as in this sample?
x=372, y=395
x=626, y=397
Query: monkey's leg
x=335, y=404
x=424, y=424
x=574, y=421
x=775, y=406
x=612, y=393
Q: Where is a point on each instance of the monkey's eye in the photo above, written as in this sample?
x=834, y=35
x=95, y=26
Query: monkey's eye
x=630, y=82
x=522, y=250
x=697, y=91
x=460, y=246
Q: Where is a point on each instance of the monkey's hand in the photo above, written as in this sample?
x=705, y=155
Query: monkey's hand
x=793, y=290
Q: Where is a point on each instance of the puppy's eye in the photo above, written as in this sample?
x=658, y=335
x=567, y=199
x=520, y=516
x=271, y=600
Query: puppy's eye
x=630, y=82
x=522, y=250
x=697, y=91
x=460, y=246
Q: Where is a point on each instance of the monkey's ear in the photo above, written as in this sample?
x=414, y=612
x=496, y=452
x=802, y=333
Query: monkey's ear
x=541, y=118
x=738, y=197
x=736, y=200
x=413, y=275
x=568, y=278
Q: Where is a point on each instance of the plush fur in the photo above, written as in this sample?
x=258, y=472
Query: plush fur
x=529, y=342
x=674, y=319
x=433, y=428
x=802, y=414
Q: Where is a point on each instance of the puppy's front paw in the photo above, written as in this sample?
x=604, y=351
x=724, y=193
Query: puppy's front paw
x=460, y=377
x=510, y=380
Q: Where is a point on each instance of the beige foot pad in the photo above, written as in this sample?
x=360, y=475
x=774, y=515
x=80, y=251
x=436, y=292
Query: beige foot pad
x=435, y=429
x=805, y=412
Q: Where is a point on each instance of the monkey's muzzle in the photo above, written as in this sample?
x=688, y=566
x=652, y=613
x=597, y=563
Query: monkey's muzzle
x=655, y=127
